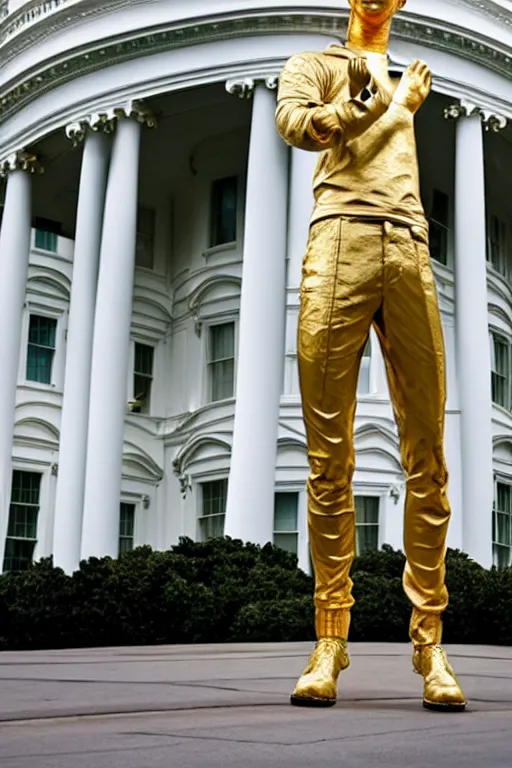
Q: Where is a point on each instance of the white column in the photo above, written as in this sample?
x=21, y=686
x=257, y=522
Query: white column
x=250, y=504
x=75, y=407
x=472, y=331
x=100, y=529
x=14, y=257
x=301, y=202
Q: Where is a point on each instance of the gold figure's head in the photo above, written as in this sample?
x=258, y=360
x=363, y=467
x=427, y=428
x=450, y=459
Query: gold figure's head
x=376, y=12
x=370, y=22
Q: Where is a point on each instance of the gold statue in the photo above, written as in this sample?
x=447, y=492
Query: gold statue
x=368, y=263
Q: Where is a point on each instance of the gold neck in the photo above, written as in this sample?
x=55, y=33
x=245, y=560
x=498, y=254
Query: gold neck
x=366, y=38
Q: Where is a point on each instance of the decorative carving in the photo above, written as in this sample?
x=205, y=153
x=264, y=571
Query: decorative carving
x=183, y=479
x=55, y=470
x=464, y=43
x=20, y=161
x=491, y=120
x=106, y=121
x=77, y=130
x=145, y=501
x=244, y=89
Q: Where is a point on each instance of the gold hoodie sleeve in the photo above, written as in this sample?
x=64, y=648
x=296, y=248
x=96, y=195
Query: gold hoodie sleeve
x=305, y=86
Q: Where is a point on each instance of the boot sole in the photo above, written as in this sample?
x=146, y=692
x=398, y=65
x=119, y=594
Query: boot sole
x=436, y=707
x=303, y=701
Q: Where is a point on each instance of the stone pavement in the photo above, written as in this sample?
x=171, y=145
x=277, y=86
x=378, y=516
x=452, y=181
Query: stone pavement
x=223, y=706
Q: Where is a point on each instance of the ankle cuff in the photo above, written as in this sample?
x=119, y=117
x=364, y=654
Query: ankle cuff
x=332, y=623
x=425, y=628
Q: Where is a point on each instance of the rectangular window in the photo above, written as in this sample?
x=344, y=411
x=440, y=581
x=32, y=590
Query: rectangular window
x=22, y=527
x=501, y=525
x=214, y=498
x=142, y=377
x=497, y=245
x=363, y=384
x=438, y=226
x=367, y=523
x=144, y=254
x=126, y=527
x=500, y=371
x=47, y=232
x=41, y=348
x=46, y=241
x=221, y=362
x=223, y=211
x=286, y=534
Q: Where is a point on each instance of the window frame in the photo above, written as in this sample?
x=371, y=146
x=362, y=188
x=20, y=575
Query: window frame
x=296, y=532
x=34, y=541
x=445, y=228
x=498, y=336
x=135, y=409
x=207, y=331
x=224, y=479
x=46, y=316
x=212, y=240
x=365, y=494
x=495, y=528
x=122, y=537
x=503, y=268
x=140, y=234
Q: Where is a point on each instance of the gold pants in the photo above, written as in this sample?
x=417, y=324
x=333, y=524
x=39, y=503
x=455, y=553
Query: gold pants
x=357, y=273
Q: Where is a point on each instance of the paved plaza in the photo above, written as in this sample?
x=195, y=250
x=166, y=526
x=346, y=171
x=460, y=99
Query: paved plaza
x=222, y=706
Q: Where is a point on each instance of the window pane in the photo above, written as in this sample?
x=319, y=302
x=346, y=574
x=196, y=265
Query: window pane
x=367, y=538
x=224, y=210
x=41, y=347
x=222, y=341
x=367, y=509
x=144, y=254
x=144, y=359
x=47, y=241
x=223, y=380
x=126, y=527
x=438, y=242
x=222, y=361
x=25, y=487
x=500, y=376
x=211, y=527
x=18, y=554
x=285, y=512
x=42, y=331
x=287, y=541
x=214, y=497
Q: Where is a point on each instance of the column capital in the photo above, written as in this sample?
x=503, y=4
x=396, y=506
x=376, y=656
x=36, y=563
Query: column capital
x=20, y=160
x=244, y=87
x=492, y=121
x=105, y=121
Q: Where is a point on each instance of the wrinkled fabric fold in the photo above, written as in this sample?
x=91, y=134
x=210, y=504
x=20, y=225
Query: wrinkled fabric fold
x=356, y=274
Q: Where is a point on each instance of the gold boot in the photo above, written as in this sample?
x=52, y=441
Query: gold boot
x=442, y=691
x=318, y=683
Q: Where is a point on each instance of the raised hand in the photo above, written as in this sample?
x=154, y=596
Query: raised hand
x=414, y=86
x=359, y=76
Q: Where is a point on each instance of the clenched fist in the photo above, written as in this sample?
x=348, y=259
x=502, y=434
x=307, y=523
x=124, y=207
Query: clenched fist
x=414, y=86
x=325, y=121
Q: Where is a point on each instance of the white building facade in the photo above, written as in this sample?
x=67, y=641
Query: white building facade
x=149, y=276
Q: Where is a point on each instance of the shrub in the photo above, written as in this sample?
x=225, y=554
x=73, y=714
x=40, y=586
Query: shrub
x=224, y=590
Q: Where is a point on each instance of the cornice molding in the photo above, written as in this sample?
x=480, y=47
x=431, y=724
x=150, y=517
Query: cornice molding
x=55, y=72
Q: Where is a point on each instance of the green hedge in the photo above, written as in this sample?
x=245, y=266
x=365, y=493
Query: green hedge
x=227, y=591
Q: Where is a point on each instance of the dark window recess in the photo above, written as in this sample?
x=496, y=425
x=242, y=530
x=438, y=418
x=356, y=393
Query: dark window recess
x=438, y=226
x=223, y=211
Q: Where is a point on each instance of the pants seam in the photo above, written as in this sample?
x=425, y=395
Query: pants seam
x=331, y=308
